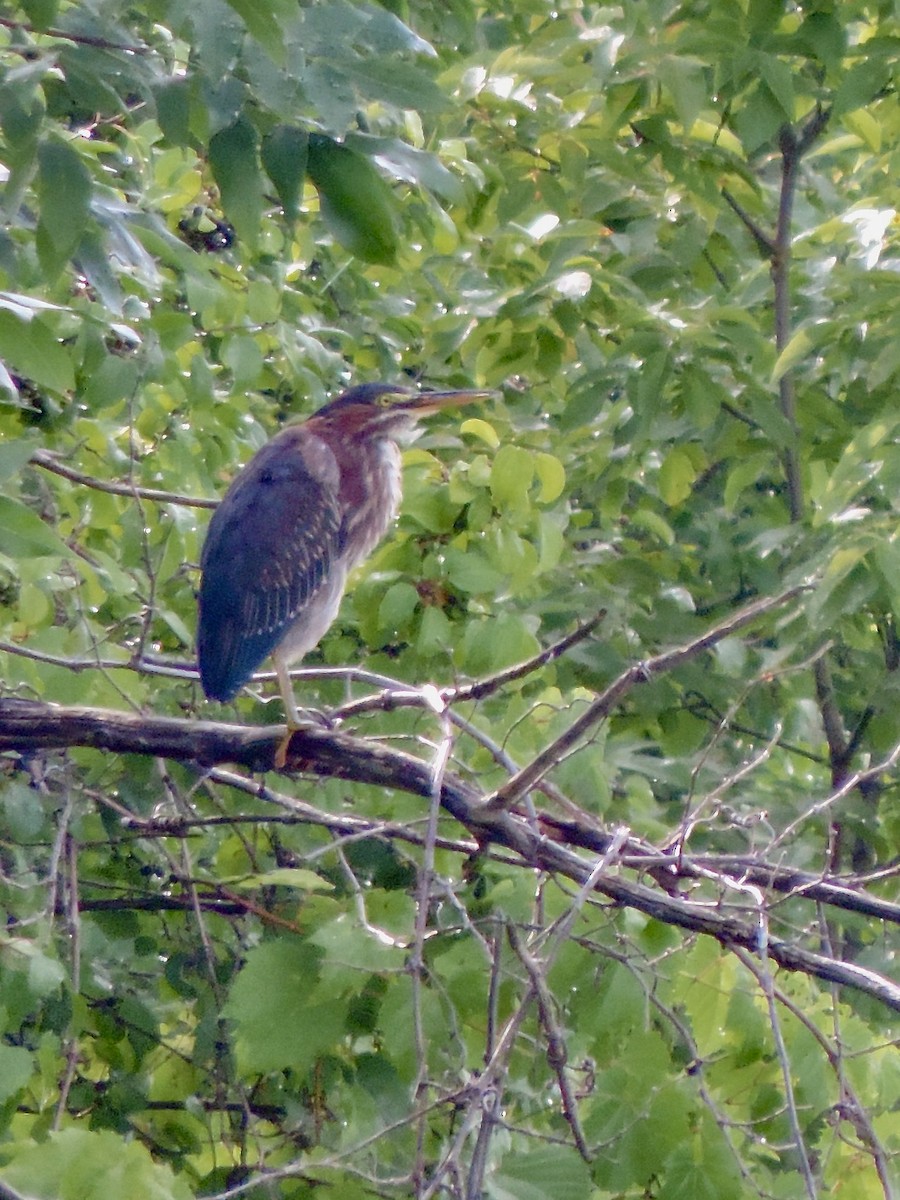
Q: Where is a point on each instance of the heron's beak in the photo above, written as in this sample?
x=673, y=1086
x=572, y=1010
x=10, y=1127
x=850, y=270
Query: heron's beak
x=429, y=402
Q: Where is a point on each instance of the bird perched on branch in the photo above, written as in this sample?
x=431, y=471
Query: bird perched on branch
x=310, y=506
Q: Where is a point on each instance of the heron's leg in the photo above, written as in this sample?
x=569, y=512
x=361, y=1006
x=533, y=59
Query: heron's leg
x=291, y=712
x=297, y=718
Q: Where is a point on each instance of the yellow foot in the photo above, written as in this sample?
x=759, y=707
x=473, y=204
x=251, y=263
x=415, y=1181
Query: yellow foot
x=307, y=718
x=283, y=745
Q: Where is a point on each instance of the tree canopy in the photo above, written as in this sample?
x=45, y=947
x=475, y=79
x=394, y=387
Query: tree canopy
x=588, y=887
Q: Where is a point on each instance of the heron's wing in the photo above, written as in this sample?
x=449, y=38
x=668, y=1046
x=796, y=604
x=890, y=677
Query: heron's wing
x=270, y=545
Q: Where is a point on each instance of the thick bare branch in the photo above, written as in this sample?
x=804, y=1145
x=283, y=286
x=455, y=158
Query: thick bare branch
x=29, y=726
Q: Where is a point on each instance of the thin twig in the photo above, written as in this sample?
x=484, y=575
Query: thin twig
x=764, y=241
x=557, y=1055
x=49, y=462
x=423, y=909
x=492, y=683
x=763, y=975
x=81, y=39
x=512, y=792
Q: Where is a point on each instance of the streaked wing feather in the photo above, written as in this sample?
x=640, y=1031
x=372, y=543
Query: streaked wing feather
x=269, y=546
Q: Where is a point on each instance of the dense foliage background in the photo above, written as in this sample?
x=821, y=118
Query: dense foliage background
x=648, y=947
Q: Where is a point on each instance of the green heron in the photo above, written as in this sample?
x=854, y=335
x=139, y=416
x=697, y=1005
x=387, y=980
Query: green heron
x=310, y=506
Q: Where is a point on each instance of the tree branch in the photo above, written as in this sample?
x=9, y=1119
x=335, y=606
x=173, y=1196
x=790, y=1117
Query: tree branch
x=27, y=726
x=81, y=39
x=764, y=241
x=49, y=462
x=521, y=783
x=485, y=687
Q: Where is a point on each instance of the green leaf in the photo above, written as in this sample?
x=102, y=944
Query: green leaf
x=79, y=1164
x=552, y=476
x=556, y=1171
x=397, y=607
x=758, y=121
x=41, y=13
x=263, y=21
x=511, y=474
x=33, y=352
x=14, y=454
x=173, y=110
x=780, y=79
x=235, y=166
x=292, y=877
x=470, y=571
x=276, y=1026
x=794, y=353
x=859, y=85
x=676, y=476
x=24, y=535
x=481, y=429
x=284, y=153
x=863, y=123
x=64, y=194
x=410, y=164
x=406, y=87
x=16, y=1069
x=356, y=202
x=685, y=80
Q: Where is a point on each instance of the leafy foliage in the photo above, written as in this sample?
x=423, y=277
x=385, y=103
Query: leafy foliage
x=665, y=234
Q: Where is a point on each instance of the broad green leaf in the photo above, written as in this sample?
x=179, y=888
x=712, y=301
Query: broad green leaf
x=245, y=359
x=263, y=20
x=758, y=120
x=481, y=429
x=16, y=1069
x=24, y=535
x=686, y=81
x=497, y=642
x=410, y=164
x=407, y=87
x=234, y=163
x=826, y=36
x=470, y=571
x=794, y=353
x=276, y=1026
x=552, y=475
x=556, y=1171
x=779, y=77
x=14, y=455
x=32, y=352
x=435, y=632
x=284, y=152
x=64, y=192
x=862, y=122
x=512, y=472
x=81, y=1164
x=41, y=13
x=356, y=202
x=676, y=476
x=173, y=110
x=654, y=523
x=859, y=85
x=397, y=607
